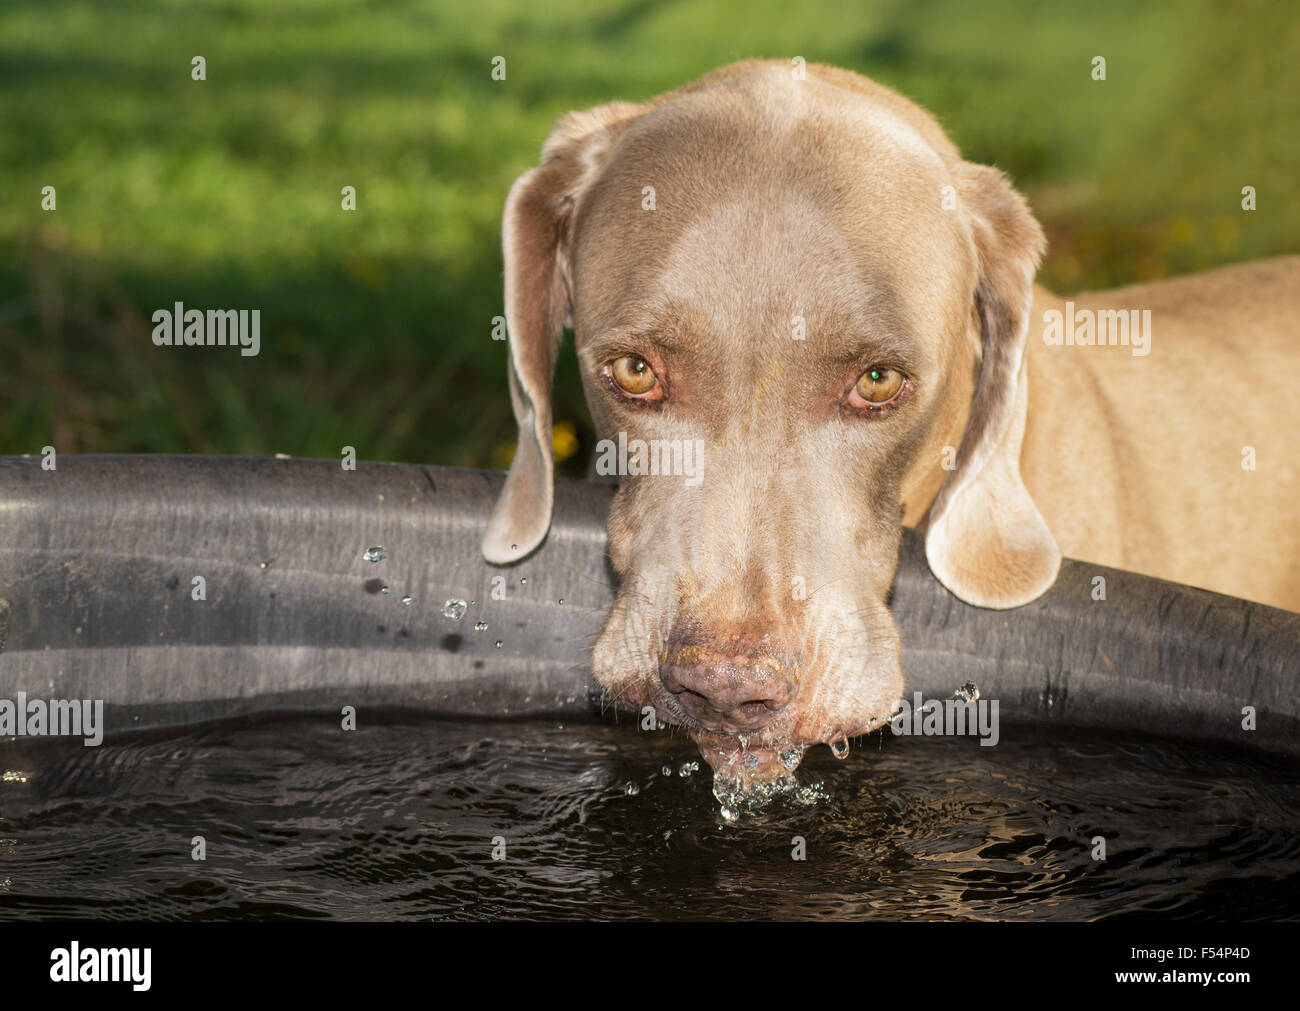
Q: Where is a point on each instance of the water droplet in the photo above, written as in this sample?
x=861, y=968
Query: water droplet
x=523, y=580
x=498, y=644
x=728, y=815
x=561, y=600
x=840, y=747
x=514, y=547
x=375, y=554
x=667, y=770
x=631, y=789
x=791, y=758
x=969, y=692
x=407, y=600
x=480, y=626
x=454, y=609
x=687, y=768
x=385, y=591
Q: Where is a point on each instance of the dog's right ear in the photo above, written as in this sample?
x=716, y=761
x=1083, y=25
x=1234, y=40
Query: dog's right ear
x=536, y=238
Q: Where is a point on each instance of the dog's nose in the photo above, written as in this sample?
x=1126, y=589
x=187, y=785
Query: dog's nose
x=737, y=693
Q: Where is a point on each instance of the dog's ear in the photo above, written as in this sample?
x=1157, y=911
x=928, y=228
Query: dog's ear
x=986, y=540
x=536, y=234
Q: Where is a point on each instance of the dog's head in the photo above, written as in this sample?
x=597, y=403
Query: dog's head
x=801, y=322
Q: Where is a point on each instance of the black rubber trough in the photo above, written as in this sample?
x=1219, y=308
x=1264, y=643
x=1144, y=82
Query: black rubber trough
x=101, y=561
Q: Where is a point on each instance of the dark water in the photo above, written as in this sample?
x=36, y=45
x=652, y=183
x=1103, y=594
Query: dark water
x=397, y=821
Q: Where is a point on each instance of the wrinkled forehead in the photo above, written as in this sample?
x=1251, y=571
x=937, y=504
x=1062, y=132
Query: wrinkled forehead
x=766, y=209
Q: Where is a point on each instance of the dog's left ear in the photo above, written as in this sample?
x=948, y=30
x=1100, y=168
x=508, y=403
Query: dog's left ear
x=986, y=541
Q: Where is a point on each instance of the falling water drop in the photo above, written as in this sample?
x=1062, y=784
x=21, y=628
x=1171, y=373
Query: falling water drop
x=407, y=600
x=375, y=554
x=840, y=747
x=454, y=609
x=385, y=591
x=498, y=644
x=480, y=626
x=631, y=789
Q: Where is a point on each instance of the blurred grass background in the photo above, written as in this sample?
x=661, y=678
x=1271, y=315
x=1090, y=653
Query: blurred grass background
x=376, y=324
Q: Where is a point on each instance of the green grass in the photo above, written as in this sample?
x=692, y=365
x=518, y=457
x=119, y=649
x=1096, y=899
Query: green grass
x=376, y=324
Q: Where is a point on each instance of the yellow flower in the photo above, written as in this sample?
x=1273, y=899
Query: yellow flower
x=564, y=441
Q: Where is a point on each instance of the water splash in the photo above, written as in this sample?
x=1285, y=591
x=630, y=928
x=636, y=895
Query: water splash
x=736, y=800
x=969, y=692
x=792, y=756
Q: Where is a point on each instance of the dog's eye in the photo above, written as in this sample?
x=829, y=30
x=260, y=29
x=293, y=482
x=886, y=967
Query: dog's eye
x=633, y=375
x=879, y=385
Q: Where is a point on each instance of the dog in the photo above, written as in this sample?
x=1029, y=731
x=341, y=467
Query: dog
x=798, y=274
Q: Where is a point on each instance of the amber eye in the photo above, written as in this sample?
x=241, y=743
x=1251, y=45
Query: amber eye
x=633, y=375
x=879, y=385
